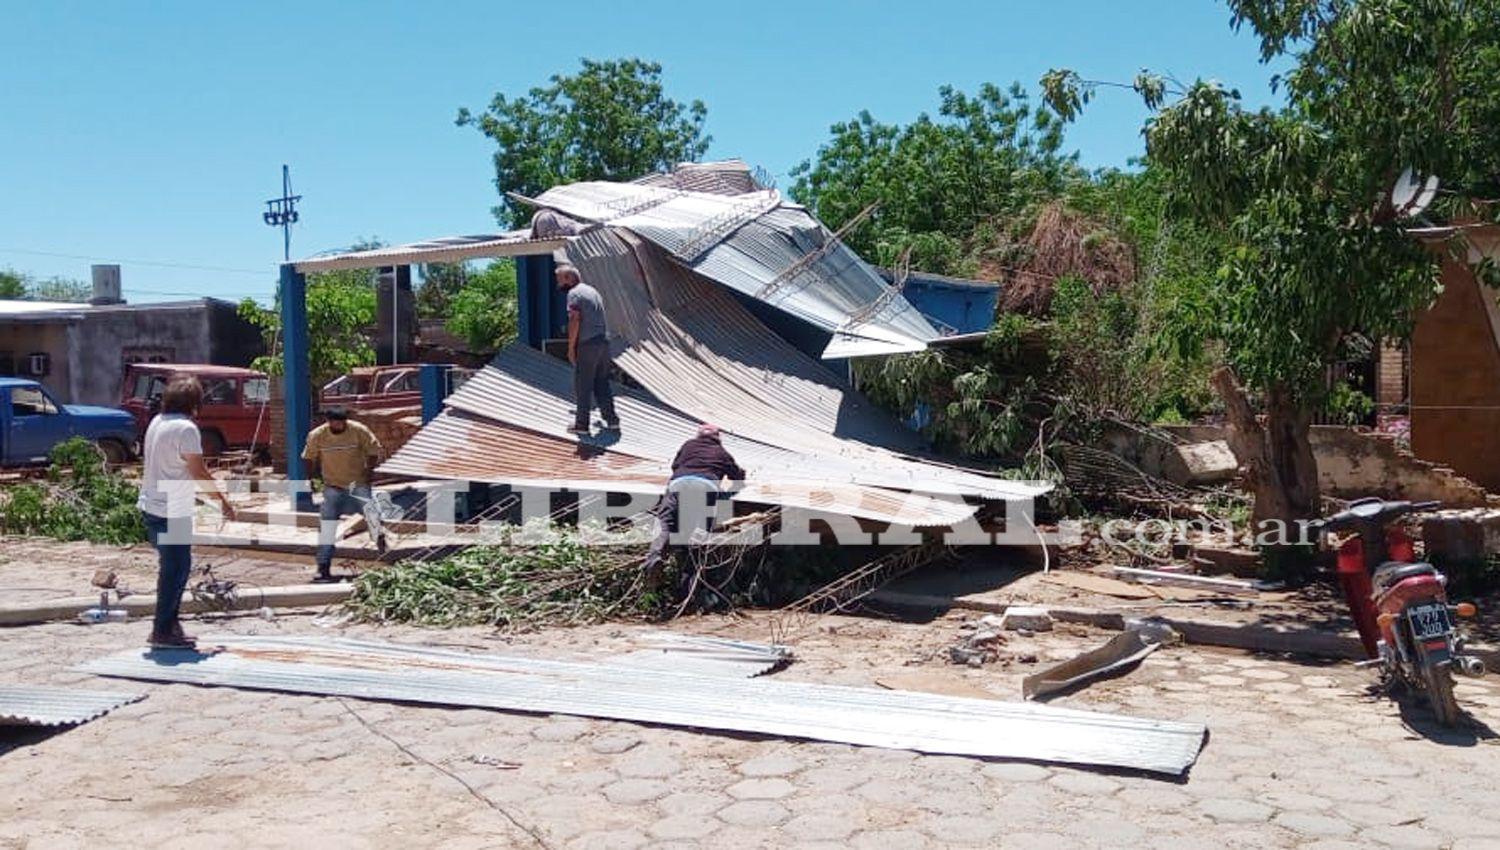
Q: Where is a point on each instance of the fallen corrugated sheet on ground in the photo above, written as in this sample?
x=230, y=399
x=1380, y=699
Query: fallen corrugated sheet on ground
x=866, y=717
x=705, y=656
x=34, y=705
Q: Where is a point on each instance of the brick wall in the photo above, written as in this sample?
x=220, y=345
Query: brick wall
x=391, y=426
x=1455, y=380
x=1390, y=377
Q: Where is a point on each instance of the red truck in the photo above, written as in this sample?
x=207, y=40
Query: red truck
x=381, y=387
x=233, y=415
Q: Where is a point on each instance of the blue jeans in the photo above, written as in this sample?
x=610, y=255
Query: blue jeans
x=337, y=502
x=175, y=564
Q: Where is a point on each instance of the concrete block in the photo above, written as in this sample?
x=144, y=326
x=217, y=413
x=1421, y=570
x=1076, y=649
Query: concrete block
x=1202, y=463
x=1026, y=617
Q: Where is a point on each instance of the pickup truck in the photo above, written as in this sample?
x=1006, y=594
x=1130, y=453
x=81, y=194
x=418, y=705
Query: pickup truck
x=380, y=387
x=32, y=422
x=234, y=412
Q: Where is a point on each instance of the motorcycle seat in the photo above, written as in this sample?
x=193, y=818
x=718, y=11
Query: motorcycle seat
x=1390, y=574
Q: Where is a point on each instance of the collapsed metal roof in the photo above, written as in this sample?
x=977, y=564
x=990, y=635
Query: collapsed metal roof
x=508, y=425
x=765, y=248
x=862, y=716
x=669, y=252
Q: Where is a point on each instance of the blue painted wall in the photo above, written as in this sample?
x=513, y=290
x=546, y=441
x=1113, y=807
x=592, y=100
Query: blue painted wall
x=953, y=305
x=543, y=312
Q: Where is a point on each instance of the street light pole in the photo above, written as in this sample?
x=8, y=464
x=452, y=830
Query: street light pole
x=282, y=212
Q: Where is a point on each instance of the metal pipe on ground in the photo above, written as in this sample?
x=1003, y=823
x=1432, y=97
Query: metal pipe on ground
x=289, y=596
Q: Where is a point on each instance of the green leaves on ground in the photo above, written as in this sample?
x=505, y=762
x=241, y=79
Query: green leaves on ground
x=562, y=582
x=610, y=121
x=80, y=499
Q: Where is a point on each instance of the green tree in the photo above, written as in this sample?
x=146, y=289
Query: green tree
x=1315, y=251
x=610, y=121
x=340, y=311
x=942, y=183
x=483, y=311
x=12, y=284
x=440, y=282
x=64, y=289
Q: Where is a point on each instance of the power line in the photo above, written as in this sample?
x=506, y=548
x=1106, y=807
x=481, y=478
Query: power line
x=165, y=265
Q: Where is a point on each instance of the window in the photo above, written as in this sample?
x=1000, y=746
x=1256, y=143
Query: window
x=147, y=354
x=257, y=390
x=30, y=401
x=405, y=382
x=220, y=391
x=147, y=386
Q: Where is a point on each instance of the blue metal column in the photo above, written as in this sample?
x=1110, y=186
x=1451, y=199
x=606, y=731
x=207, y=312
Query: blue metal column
x=434, y=389
x=295, y=368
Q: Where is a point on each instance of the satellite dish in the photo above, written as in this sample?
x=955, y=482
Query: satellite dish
x=1412, y=194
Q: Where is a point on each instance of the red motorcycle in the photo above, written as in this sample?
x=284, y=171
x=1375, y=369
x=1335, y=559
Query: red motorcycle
x=1400, y=605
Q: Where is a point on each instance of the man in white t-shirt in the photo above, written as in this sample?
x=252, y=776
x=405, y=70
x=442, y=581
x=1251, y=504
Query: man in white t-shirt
x=174, y=472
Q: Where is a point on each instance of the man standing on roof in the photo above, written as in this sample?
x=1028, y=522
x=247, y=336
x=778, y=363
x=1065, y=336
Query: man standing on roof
x=697, y=470
x=343, y=453
x=588, y=351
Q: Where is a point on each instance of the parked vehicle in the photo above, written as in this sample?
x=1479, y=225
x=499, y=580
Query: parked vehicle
x=1400, y=605
x=374, y=387
x=233, y=415
x=32, y=422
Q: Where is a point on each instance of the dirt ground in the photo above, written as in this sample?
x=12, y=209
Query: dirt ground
x=1300, y=754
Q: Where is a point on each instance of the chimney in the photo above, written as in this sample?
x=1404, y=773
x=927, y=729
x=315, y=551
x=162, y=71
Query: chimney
x=106, y=285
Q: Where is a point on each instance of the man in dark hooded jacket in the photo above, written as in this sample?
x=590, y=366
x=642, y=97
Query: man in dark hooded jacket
x=697, y=470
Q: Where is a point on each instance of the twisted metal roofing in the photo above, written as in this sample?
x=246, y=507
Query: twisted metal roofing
x=34, y=705
x=758, y=245
x=462, y=446
x=926, y=723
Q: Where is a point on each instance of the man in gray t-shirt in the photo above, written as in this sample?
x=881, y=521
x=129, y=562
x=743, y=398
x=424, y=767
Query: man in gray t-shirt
x=588, y=350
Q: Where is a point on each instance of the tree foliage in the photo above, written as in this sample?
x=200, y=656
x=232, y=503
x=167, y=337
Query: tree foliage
x=340, y=310
x=12, y=284
x=610, y=121
x=483, y=310
x=80, y=499
x=21, y=286
x=440, y=282
x=984, y=159
x=1300, y=193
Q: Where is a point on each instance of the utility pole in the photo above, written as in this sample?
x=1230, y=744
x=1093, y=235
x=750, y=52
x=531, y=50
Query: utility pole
x=282, y=212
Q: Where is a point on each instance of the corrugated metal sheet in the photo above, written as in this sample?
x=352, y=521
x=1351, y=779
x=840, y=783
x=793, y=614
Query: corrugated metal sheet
x=705, y=656
x=34, y=705
x=449, y=249
x=699, y=350
x=724, y=177
x=462, y=447
x=532, y=390
x=867, y=717
x=750, y=243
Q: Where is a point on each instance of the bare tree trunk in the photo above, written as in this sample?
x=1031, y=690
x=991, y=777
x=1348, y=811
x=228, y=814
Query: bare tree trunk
x=1276, y=457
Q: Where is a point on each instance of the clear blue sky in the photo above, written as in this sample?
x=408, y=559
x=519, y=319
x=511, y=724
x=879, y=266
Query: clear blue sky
x=155, y=131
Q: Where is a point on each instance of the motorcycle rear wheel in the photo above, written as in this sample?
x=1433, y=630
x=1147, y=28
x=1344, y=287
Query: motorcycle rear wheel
x=1437, y=681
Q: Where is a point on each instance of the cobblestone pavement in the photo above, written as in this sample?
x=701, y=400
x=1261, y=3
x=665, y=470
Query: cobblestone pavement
x=1299, y=756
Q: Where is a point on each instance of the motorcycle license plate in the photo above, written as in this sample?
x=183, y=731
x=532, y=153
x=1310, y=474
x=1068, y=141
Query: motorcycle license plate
x=1429, y=621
